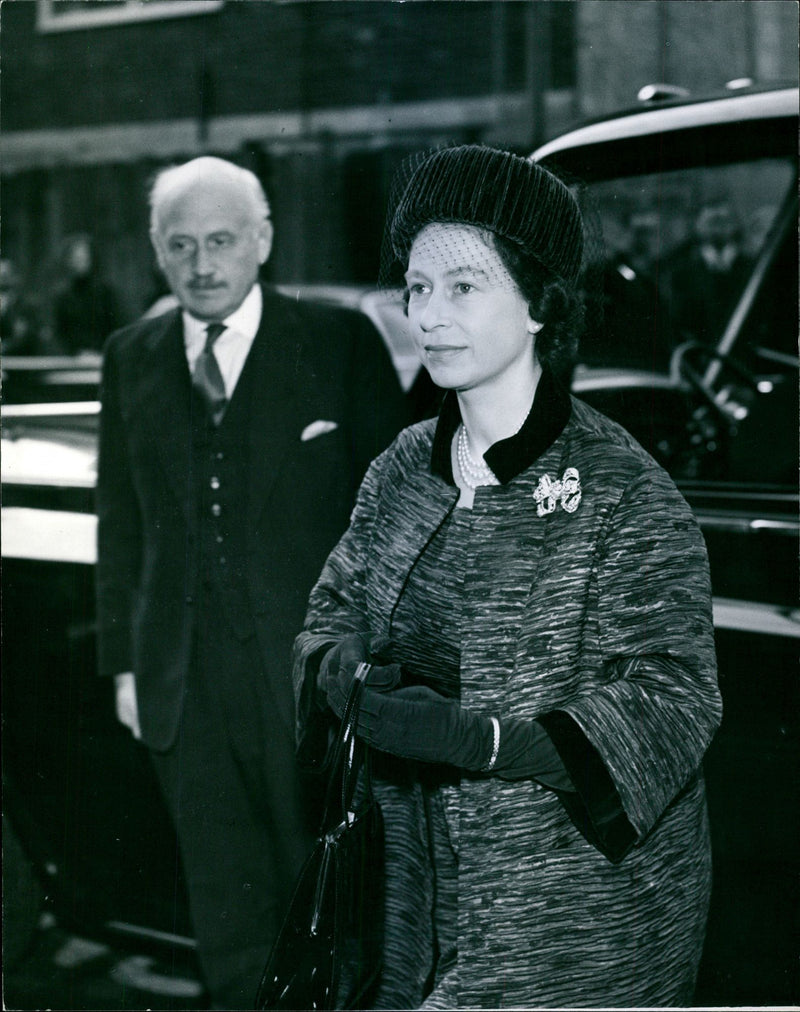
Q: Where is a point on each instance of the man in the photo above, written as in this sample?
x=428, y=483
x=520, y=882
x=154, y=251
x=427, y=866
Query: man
x=234, y=432
x=21, y=332
x=705, y=278
x=85, y=307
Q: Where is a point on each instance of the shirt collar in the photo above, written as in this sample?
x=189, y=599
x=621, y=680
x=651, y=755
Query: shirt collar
x=509, y=457
x=245, y=320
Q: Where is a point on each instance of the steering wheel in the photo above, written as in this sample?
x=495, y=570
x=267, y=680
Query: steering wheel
x=682, y=367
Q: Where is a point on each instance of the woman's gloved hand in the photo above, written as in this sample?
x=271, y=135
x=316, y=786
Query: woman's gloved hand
x=417, y=723
x=414, y=722
x=338, y=666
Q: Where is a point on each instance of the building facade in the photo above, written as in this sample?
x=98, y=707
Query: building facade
x=321, y=100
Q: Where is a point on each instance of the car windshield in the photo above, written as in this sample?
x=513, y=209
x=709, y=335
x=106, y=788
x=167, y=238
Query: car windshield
x=676, y=254
x=695, y=277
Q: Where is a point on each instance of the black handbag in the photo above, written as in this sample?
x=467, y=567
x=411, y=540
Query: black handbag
x=329, y=952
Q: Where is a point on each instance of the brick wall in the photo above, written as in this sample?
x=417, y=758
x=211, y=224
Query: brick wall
x=254, y=57
x=498, y=68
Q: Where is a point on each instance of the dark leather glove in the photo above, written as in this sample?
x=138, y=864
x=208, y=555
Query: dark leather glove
x=526, y=751
x=339, y=664
x=417, y=723
x=338, y=667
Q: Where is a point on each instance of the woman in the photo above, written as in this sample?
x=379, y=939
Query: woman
x=533, y=592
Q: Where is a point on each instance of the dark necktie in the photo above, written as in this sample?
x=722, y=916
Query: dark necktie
x=207, y=378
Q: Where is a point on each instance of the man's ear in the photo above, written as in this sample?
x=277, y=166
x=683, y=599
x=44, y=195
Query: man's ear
x=155, y=240
x=265, y=234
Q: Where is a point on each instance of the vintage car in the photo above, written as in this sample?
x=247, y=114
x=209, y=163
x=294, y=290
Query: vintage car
x=703, y=370
x=698, y=282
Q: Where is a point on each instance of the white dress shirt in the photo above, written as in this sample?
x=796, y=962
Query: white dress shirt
x=233, y=344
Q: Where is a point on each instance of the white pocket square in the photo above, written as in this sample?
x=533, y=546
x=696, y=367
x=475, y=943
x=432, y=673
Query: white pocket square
x=318, y=428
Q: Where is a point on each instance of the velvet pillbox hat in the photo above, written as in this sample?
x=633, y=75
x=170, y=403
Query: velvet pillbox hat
x=497, y=191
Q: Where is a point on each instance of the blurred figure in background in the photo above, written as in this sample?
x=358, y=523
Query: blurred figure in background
x=704, y=281
x=21, y=328
x=636, y=330
x=85, y=308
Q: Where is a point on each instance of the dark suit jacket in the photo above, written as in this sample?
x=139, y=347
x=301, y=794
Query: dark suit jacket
x=313, y=363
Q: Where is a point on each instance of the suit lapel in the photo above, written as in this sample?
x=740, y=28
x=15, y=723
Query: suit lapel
x=167, y=401
x=276, y=362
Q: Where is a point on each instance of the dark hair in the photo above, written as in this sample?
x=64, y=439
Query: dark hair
x=555, y=304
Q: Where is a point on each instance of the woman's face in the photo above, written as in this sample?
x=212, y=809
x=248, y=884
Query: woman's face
x=468, y=318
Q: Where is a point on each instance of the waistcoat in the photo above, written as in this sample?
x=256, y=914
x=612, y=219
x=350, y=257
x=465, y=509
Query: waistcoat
x=220, y=472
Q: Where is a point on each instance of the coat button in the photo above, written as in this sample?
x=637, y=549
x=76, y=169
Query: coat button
x=214, y=482
x=189, y=599
x=216, y=509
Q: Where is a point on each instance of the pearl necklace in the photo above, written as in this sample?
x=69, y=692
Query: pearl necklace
x=473, y=473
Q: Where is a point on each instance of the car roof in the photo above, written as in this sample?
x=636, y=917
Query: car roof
x=674, y=116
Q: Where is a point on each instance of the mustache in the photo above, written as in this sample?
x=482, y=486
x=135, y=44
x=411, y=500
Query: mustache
x=207, y=286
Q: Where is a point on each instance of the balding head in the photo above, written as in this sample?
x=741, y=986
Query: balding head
x=211, y=233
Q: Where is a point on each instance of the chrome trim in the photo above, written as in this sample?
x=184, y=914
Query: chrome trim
x=587, y=378
x=14, y=481
x=48, y=535
x=159, y=936
x=752, y=616
x=784, y=526
x=661, y=120
x=90, y=361
x=731, y=491
x=744, y=523
x=65, y=409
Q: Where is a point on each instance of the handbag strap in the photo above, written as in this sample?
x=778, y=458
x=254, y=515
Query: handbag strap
x=349, y=753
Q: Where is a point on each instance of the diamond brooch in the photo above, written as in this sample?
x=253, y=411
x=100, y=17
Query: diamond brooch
x=566, y=490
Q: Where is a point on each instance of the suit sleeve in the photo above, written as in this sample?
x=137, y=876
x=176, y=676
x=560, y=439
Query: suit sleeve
x=119, y=535
x=378, y=407
x=632, y=744
x=337, y=606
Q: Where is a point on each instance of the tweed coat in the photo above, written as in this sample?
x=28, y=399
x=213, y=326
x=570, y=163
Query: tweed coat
x=598, y=622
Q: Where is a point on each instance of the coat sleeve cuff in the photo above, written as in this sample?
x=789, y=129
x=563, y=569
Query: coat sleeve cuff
x=313, y=725
x=595, y=806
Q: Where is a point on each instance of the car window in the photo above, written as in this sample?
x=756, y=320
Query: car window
x=671, y=252
x=693, y=258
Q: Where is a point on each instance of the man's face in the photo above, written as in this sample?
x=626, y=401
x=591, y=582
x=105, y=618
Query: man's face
x=210, y=246
x=716, y=224
x=79, y=258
